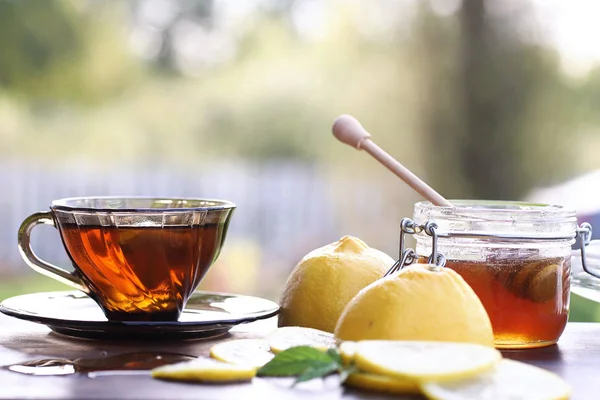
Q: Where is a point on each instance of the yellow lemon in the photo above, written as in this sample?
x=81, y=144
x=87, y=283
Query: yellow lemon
x=424, y=361
x=509, y=380
x=382, y=383
x=326, y=279
x=205, y=370
x=420, y=302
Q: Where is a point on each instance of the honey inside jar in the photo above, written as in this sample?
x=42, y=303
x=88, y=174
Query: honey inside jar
x=516, y=257
x=527, y=301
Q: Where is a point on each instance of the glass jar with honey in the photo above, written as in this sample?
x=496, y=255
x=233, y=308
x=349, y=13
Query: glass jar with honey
x=517, y=258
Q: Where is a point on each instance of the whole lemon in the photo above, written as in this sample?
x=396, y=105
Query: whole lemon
x=420, y=302
x=326, y=279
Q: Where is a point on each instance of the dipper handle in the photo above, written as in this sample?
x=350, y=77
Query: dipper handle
x=348, y=130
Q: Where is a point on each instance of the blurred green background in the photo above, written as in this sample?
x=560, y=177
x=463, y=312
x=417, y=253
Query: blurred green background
x=483, y=99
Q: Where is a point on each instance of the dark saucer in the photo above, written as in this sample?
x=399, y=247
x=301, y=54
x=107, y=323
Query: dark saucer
x=72, y=313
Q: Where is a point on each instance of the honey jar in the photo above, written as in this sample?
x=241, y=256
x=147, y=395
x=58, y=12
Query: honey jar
x=516, y=256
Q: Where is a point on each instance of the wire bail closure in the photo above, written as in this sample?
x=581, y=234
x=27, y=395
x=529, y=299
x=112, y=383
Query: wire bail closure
x=408, y=256
x=584, y=236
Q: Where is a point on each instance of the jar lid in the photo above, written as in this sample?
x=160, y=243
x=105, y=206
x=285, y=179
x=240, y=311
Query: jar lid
x=499, y=219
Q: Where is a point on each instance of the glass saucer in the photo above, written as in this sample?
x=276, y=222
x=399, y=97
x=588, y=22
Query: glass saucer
x=73, y=313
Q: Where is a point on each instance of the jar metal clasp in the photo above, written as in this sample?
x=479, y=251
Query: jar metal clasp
x=407, y=256
x=584, y=236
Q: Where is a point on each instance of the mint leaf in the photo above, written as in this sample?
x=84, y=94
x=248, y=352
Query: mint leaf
x=306, y=363
x=316, y=372
x=335, y=355
x=296, y=360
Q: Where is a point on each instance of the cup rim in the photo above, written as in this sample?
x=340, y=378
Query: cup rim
x=62, y=204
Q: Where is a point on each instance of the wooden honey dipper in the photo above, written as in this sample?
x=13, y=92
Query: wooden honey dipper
x=348, y=130
x=534, y=281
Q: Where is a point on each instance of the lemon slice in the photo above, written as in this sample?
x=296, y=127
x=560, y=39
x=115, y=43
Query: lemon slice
x=250, y=352
x=292, y=336
x=205, y=370
x=509, y=380
x=347, y=350
x=425, y=361
x=382, y=383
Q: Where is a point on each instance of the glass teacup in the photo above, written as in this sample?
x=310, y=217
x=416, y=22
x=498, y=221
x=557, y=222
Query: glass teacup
x=139, y=258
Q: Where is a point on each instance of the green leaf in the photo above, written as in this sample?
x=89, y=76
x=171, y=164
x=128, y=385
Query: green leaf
x=296, y=360
x=317, y=371
x=335, y=355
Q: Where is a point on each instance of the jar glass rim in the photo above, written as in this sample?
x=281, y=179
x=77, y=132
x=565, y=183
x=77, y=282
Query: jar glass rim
x=499, y=208
x=513, y=220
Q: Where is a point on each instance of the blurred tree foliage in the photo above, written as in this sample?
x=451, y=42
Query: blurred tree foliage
x=43, y=35
x=590, y=93
x=498, y=113
x=464, y=99
x=201, y=12
x=53, y=50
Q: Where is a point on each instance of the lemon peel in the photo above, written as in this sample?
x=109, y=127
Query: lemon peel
x=326, y=279
x=419, y=302
x=382, y=383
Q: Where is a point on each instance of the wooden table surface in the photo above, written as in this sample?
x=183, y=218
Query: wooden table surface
x=576, y=358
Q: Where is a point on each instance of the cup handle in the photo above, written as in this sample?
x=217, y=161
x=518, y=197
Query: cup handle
x=39, y=265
